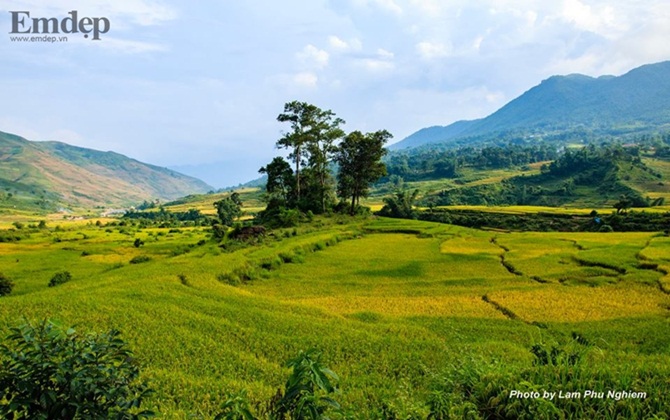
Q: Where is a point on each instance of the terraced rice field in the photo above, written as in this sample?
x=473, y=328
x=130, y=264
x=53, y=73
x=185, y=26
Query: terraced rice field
x=392, y=305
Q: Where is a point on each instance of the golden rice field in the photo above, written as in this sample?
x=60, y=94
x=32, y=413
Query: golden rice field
x=390, y=303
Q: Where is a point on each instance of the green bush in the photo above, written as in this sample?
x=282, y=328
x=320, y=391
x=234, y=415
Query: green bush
x=60, y=278
x=307, y=390
x=140, y=259
x=183, y=279
x=271, y=263
x=48, y=373
x=236, y=407
x=606, y=228
x=6, y=285
x=239, y=275
x=477, y=389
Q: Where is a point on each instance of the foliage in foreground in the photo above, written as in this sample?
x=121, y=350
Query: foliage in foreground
x=305, y=395
x=48, y=373
x=6, y=285
x=478, y=390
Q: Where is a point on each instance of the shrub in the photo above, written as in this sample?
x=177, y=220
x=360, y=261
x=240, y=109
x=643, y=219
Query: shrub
x=6, y=285
x=236, y=407
x=219, y=231
x=50, y=373
x=140, y=259
x=606, y=228
x=180, y=250
x=476, y=389
x=287, y=257
x=183, y=279
x=239, y=275
x=9, y=236
x=138, y=243
x=271, y=263
x=228, y=279
x=60, y=278
x=306, y=390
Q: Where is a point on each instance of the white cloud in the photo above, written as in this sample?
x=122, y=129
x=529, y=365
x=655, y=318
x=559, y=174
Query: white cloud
x=381, y=61
x=337, y=43
x=388, y=55
x=601, y=21
x=432, y=50
x=306, y=80
x=313, y=57
x=390, y=6
x=376, y=65
x=386, y=5
x=430, y=8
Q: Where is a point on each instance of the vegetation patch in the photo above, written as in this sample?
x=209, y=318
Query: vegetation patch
x=139, y=259
x=60, y=278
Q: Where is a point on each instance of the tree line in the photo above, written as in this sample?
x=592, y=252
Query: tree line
x=425, y=163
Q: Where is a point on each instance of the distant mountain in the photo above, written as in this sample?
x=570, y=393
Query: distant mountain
x=637, y=101
x=57, y=174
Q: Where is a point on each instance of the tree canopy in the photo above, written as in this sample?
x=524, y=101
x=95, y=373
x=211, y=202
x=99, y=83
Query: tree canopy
x=359, y=157
x=317, y=145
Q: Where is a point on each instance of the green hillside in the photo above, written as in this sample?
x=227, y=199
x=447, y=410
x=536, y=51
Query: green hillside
x=535, y=173
x=48, y=175
x=636, y=102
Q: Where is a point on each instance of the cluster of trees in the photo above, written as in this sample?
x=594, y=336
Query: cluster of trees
x=590, y=158
x=547, y=222
x=147, y=205
x=318, y=145
x=168, y=217
x=433, y=163
x=598, y=172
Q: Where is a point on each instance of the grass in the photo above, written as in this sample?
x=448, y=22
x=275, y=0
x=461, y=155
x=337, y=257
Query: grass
x=389, y=302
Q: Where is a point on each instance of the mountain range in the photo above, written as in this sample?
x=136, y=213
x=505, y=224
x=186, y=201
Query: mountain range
x=53, y=174
x=636, y=102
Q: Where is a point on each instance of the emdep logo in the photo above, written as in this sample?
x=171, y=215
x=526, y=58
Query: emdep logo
x=22, y=24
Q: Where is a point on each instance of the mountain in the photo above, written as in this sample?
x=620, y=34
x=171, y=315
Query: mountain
x=636, y=102
x=434, y=134
x=53, y=174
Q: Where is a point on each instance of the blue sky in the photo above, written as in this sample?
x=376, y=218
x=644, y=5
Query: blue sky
x=198, y=85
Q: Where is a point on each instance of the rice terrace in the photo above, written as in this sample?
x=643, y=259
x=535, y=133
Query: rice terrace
x=416, y=318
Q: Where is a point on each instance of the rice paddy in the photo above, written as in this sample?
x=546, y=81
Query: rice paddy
x=390, y=303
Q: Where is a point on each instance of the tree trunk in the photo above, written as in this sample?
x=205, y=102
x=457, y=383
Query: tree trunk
x=323, y=190
x=297, y=172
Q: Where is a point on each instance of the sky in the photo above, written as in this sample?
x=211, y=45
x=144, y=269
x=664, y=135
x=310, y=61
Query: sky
x=197, y=86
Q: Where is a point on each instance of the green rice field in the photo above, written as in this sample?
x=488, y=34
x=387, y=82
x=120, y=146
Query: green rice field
x=418, y=319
